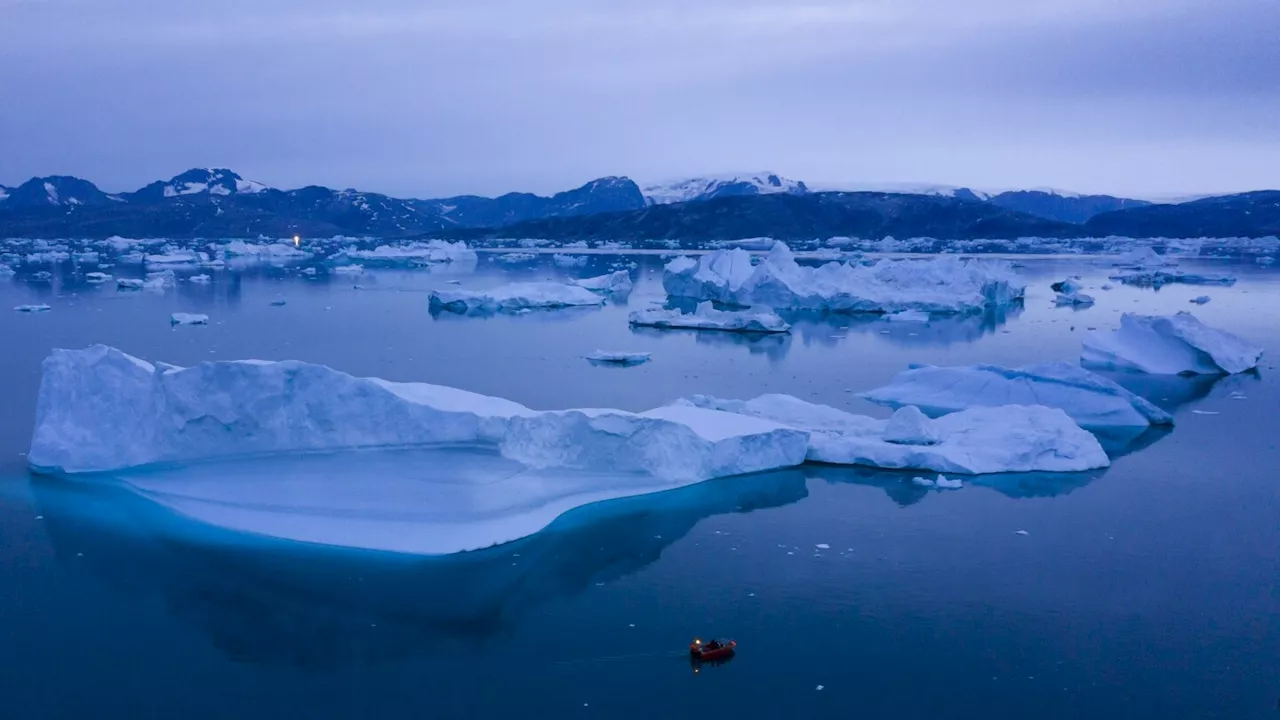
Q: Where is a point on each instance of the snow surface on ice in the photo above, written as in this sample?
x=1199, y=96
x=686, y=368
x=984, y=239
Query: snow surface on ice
x=1089, y=399
x=515, y=296
x=619, y=358
x=1169, y=345
x=944, y=284
x=179, y=318
x=980, y=440
x=706, y=317
x=615, y=283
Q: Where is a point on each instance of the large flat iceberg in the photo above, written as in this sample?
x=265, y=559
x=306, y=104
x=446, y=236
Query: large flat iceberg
x=980, y=440
x=435, y=251
x=706, y=317
x=1091, y=400
x=945, y=284
x=1169, y=345
x=515, y=296
x=615, y=283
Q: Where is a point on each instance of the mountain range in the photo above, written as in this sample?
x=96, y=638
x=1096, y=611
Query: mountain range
x=217, y=202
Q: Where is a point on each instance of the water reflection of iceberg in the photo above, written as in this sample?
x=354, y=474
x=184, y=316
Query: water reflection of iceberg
x=272, y=602
x=772, y=345
x=1170, y=392
x=898, y=486
x=939, y=331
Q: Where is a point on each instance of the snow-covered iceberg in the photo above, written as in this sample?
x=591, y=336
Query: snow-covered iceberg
x=435, y=251
x=980, y=440
x=945, y=284
x=1091, y=400
x=515, y=296
x=706, y=317
x=100, y=409
x=615, y=283
x=1169, y=345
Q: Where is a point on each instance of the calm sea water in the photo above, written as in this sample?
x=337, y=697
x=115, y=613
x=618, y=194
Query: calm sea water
x=1151, y=589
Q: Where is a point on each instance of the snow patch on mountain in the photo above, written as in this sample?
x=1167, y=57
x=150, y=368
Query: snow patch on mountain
x=713, y=186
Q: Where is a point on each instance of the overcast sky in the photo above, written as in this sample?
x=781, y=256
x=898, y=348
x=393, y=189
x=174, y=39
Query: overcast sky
x=438, y=97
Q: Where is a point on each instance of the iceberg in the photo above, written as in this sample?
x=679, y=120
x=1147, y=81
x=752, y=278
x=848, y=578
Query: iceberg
x=181, y=257
x=155, y=283
x=514, y=297
x=1160, y=278
x=100, y=409
x=1201, y=300
x=348, y=270
x=435, y=251
x=615, y=283
x=200, y=279
x=1073, y=299
x=1169, y=345
x=188, y=319
x=706, y=317
x=1091, y=400
x=1143, y=257
x=913, y=316
x=944, y=284
x=627, y=359
x=569, y=261
x=32, y=308
x=977, y=441
x=514, y=258
x=96, y=277
x=277, y=252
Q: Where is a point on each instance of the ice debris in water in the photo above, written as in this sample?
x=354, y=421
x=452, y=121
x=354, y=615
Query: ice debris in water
x=179, y=318
x=200, y=279
x=1073, y=299
x=946, y=483
x=706, y=317
x=619, y=358
x=1009, y=438
x=96, y=277
x=1201, y=300
x=1022, y=532
x=1169, y=345
x=1160, y=278
x=944, y=284
x=514, y=258
x=1089, y=399
x=514, y=297
x=822, y=546
x=569, y=261
x=32, y=308
x=615, y=283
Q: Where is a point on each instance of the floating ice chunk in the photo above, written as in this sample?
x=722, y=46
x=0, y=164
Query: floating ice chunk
x=1265, y=260
x=914, y=316
x=96, y=277
x=188, y=319
x=922, y=481
x=615, y=283
x=6, y=271
x=1023, y=533
x=435, y=251
x=1106, y=286
x=1169, y=345
x=569, y=261
x=156, y=283
x=823, y=546
x=308, y=271
x=32, y=308
x=200, y=279
x=1160, y=278
x=706, y=317
x=1073, y=299
x=1201, y=300
x=1144, y=257
x=272, y=252
x=514, y=297
x=619, y=358
x=1010, y=438
x=945, y=483
x=514, y=258
x=945, y=284
x=41, y=276
x=48, y=257
x=181, y=257
x=909, y=426
x=1091, y=400
x=348, y=270
x=1068, y=286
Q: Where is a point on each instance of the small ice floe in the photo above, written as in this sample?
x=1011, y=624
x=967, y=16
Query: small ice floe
x=915, y=316
x=945, y=483
x=32, y=308
x=1200, y=300
x=1265, y=260
x=820, y=687
x=922, y=481
x=41, y=276
x=453, y=282
x=823, y=546
x=200, y=279
x=1205, y=412
x=96, y=277
x=348, y=270
x=515, y=297
x=1106, y=286
x=615, y=283
x=569, y=261
x=625, y=359
x=706, y=317
x=1022, y=532
x=278, y=303
x=309, y=271
x=1237, y=395
x=188, y=319
x=1073, y=299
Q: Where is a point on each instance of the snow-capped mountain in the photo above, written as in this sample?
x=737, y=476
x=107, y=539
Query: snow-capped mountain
x=198, y=181
x=714, y=186
x=56, y=191
x=4, y=193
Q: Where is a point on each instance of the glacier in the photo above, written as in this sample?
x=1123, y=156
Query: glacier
x=1091, y=400
x=706, y=317
x=979, y=440
x=515, y=296
x=1169, y=345
x=944, y=284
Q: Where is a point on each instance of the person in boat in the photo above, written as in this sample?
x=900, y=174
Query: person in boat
x=713, y=645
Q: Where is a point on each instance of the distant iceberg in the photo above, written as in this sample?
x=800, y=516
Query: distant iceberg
x=188, y=319
x=1169, y=345
x=706, y=317
x=608, y=357
x=980, y=440
x=1160, y=278
x=276, y=252
x=515, y=296
x=435, y=251
x=96, y=277
x=1089, y=399
x=177, y=258
x=944, y=284
x=615, y=283
x=32, y=308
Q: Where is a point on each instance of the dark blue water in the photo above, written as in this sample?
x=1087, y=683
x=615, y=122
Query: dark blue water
x=1150, y=589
